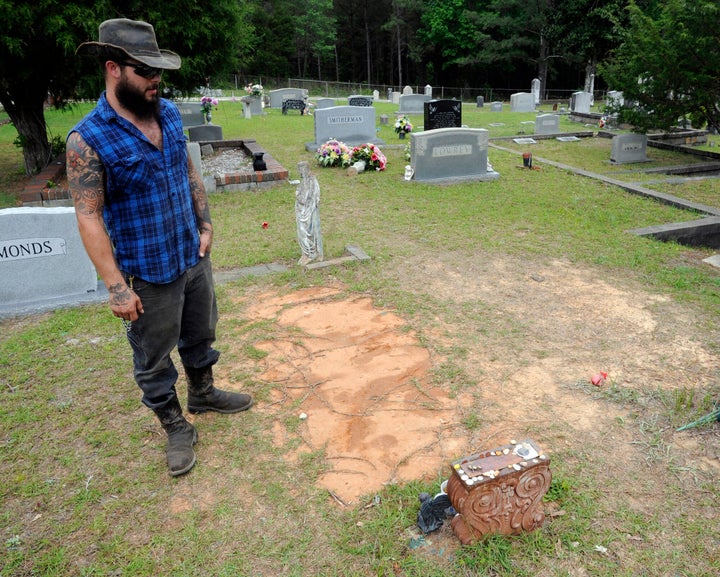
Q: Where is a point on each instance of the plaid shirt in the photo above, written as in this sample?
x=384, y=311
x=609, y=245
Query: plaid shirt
x=149, y=211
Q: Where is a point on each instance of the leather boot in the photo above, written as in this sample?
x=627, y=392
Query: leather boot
x=181, y=438
x=203, y=396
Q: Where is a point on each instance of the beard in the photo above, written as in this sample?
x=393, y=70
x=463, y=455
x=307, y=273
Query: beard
x=135, y=101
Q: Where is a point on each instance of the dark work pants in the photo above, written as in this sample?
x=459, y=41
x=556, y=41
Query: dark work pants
x=182, y=313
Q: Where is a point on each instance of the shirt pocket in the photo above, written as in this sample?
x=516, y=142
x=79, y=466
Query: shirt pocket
x=130, y=175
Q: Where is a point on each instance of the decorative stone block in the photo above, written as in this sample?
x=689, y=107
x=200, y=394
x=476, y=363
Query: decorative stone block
x=499, y=491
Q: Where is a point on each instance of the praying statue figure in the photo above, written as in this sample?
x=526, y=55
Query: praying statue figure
x=307, y=213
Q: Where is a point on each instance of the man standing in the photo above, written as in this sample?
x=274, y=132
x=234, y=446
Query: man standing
x=144, y=219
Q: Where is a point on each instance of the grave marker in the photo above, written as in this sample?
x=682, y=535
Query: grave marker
x=580, y=102
x=522, y=102
x=535, y=90
x=628, y=148
x=412, y=103
x=449, y=155
x=277, y=96
x=191, y=114
x=42, y=257
x=360, y=100
x=547, y=124
x=442, y=114
x=496, y=106
x=352, y=125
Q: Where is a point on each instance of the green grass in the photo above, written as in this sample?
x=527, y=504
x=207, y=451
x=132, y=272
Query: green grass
x=84, y=488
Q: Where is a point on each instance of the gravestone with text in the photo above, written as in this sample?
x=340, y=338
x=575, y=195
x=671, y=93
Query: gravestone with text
x=630, y=147
x=407, y=90
x=360, y=100
x=352, y=125
x=191, y=114
x=412, y=103
x=442, y=114
x=496, y=106
x=42, y=257
x=547, y=124
x=448, y=155
x=480, y=101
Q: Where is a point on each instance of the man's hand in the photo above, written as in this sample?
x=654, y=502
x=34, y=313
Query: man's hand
x=206, y=238
x=124, y=303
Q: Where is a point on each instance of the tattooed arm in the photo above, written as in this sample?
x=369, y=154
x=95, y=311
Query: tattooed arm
x=86, y=176
x=202, y=209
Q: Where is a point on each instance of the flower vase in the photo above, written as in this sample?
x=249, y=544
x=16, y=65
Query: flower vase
x=401, y=134
x=208, y=117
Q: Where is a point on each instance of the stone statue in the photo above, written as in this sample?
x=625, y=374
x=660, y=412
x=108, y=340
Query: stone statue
x=307, y=213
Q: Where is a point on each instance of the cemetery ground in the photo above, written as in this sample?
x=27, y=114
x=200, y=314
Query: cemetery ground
x=481, y=316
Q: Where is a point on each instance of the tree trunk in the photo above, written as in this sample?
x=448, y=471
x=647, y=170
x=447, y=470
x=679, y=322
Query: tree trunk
x=543, y=66
x=28, y=117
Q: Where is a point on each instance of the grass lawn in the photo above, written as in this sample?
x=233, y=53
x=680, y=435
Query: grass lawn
x=517, y=288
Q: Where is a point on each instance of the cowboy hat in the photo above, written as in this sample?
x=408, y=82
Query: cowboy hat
x=134, y=38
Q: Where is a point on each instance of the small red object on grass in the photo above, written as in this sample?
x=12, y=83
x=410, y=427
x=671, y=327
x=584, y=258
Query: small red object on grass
x=265, y=225
x=598, y=379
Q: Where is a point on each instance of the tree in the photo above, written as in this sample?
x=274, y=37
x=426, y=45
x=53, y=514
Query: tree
x=38, y=63
x=666, y=66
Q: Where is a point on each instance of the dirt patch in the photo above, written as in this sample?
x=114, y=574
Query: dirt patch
x=385, y=407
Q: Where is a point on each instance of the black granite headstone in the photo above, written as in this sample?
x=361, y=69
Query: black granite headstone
x=443, y=114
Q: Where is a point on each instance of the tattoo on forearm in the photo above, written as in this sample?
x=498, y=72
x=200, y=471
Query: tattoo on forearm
x=200, y=200
x=85, y=177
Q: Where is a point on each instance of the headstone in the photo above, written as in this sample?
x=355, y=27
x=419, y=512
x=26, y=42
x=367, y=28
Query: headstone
x=255, y=103
x=442, y=114
x=191, y=114
x=389, y=94
x=294, y=104
x=352, y=125
x=396, y=97
x=325, y=102
x=360, y=100
x=384, y=119
x=522, y=102
x=535, y=90
x=407, y=90
x=277, y=96
x=630, y=147
x=496, y=106
x=307, y=215
x=480, y=102
x=428, y=90
x=547, y=124
x=449, y=155
x=580, y=102
x=207, y=132
x=412, y=103
x=614, y=98
x=42, y=257
x=247, y=113
x=376, y=95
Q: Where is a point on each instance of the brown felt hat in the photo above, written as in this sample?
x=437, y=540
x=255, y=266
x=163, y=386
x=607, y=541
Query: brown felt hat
x=136, y=39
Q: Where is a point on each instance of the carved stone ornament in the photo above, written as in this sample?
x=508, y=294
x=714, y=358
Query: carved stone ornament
x=499, y=491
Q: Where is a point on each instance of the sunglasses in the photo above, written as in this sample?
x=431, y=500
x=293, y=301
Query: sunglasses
x=143, y=70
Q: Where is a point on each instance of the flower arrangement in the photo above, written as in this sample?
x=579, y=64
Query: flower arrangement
x=333, y=153
x=207, y=103
x=402, y=124
x=371, y=154
x=255, y=90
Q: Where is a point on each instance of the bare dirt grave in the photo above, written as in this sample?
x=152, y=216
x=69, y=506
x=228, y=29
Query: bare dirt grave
x=373, y=394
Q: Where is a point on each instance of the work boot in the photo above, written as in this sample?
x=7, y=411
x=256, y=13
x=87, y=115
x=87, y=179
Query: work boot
x=203, y=396
x=181, y=438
